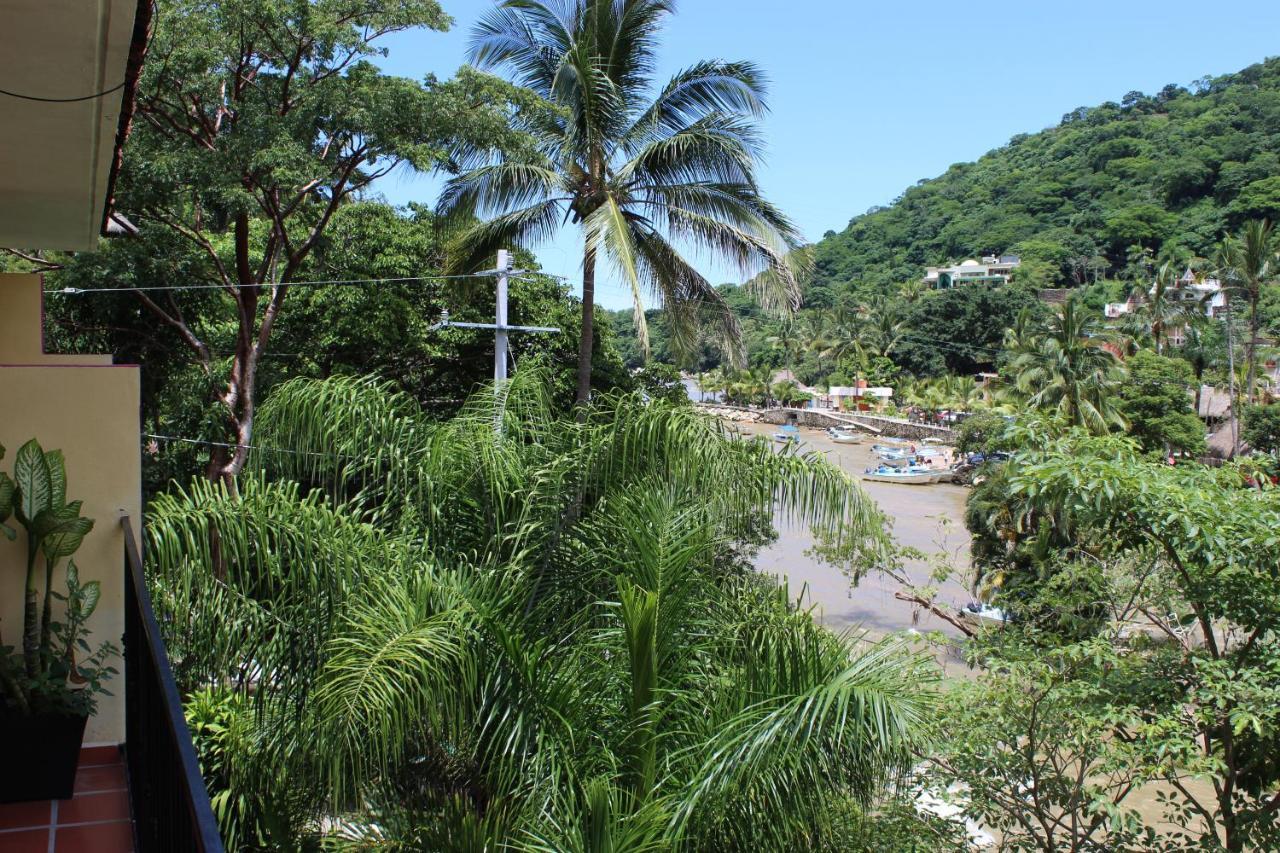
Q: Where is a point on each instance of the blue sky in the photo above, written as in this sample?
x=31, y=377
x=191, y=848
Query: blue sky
x=869, y=97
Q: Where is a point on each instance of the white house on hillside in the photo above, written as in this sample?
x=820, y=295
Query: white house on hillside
x=1202, y=295
x=990, y=270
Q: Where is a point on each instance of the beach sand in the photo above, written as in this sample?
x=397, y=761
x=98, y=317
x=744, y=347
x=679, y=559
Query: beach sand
x=916, y=513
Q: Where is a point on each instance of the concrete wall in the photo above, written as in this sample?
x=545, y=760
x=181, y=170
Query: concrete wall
x=892, y=427
x=88, y=409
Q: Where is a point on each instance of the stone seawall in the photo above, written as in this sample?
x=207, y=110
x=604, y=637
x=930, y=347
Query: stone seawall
x=821, y=419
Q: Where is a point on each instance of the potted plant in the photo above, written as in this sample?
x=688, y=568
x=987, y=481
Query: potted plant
x=50, y=684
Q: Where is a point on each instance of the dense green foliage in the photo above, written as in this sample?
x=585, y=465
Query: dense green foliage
x=375, y=328
x=1155, y=403
x=537, y=637
x=1153, y=176
x=1262, y=428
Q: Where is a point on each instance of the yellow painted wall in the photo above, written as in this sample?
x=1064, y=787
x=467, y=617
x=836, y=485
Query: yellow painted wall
x=89, y=410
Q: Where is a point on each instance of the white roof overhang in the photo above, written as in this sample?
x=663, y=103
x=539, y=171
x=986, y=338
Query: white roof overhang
x=56, y=156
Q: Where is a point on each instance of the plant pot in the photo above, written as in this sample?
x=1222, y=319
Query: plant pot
x=41, y=754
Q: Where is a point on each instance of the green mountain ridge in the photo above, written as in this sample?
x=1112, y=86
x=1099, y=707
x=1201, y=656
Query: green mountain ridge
x=1108, y=191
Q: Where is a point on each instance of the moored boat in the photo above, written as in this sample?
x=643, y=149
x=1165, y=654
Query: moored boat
x=980, y=615
x=787, y=434
x=843, y=436
x=911, y=475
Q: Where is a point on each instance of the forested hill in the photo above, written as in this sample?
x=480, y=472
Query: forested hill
x=1160, y=175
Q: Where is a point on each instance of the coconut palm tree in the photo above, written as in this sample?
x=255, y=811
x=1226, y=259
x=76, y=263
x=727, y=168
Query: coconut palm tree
x=1160, y=311
x=1200, y=354
x=1247, y=265
x=449, y=637
x=1070, y=370
x=638, y=171
x=848, y=334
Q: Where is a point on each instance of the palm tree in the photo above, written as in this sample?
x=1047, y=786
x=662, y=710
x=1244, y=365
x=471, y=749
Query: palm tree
x=787, y=337
x=1247, y=264
x=530, y=638
x=887, y=325
x=847, y=334
x=1200, y=354
x=1070, y=370
x=1160, y=312
x=636, y=172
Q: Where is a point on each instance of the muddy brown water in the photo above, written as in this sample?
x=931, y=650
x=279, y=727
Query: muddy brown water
x=929, y=518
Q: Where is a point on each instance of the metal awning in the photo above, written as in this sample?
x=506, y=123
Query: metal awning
x=58, y=156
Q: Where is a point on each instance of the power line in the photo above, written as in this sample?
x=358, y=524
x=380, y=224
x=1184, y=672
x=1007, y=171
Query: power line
x=346, y=282
x=257, y=447
x=78, y=99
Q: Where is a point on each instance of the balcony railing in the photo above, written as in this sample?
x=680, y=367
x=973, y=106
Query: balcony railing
x=170, y=803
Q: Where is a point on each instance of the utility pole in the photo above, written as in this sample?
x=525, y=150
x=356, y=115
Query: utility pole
x=501, y=330
x=1231, y=373
x=500, y=316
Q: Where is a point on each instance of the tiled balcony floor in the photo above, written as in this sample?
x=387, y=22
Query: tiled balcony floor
x=95, y=820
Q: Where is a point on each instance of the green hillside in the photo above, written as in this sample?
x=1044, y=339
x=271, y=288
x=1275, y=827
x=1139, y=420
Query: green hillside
x=1155, y=175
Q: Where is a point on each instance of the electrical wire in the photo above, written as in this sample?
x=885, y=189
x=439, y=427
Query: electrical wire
x=520, y=275
x=260, y=448
x=75, y=100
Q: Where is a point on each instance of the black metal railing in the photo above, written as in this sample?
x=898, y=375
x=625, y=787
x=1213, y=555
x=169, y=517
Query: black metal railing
x=170, y=803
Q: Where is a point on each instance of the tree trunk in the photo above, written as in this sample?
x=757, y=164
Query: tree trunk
x=588, y=327
x=1251, y=351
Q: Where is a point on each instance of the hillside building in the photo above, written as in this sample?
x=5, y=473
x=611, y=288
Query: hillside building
x=1205, y=296
x=992, y=269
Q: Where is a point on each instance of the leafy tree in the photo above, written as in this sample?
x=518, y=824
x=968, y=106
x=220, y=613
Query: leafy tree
x=961, y=329
x=245, y=147
x=1155, y=400
x=1029, y=748
x=1201, y=554
x=633, y=169
x=1262, y=428
x=662, y=382
x=983, y=432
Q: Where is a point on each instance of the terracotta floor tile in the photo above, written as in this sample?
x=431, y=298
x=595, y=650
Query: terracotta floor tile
x=106, y=777
x=84, y=808
x=19, y=815
x=95, y=838
x=99, y=755
x=27, y=841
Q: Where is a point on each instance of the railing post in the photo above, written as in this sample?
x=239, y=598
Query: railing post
x=171, y=810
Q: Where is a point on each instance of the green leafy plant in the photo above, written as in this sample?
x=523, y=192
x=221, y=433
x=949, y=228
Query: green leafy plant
x=44, y=675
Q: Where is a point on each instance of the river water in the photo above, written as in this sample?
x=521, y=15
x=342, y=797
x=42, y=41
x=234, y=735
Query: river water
x=928, y=518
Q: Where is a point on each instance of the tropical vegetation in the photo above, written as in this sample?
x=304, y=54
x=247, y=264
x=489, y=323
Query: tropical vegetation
x=641, y=171
x=55, y=671
x=523, y=630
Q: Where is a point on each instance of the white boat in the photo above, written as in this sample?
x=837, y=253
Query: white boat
x=787, y=435
x=978, y=615
x=911, y=475
x=886, y=451
x=843, y=436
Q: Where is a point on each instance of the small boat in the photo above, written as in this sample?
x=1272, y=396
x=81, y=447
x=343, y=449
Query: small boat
x=911, y=475
x=888, y=451
x=787, y=435
x=843, y=436
x=978, y=615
